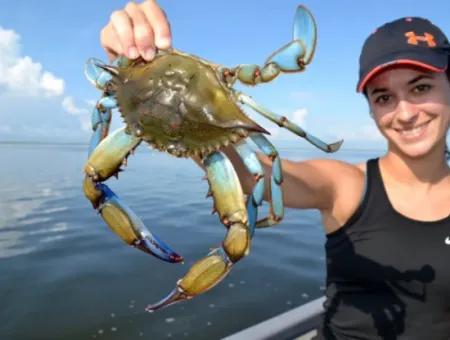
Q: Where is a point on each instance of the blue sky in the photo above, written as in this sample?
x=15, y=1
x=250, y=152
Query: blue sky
x=44, y=44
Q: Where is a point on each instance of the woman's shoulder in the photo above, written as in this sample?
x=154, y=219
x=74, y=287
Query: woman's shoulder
x=343, y=175
x=349, y=186
x=361, y=166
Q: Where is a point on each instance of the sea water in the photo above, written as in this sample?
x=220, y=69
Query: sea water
x=65, y=275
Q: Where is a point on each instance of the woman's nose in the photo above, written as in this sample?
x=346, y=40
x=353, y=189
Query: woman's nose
x=406, y=111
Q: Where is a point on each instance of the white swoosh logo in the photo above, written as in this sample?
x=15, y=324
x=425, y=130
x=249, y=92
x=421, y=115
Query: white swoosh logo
x=447, y=240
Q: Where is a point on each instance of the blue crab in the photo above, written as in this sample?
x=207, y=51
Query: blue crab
x=186, y=106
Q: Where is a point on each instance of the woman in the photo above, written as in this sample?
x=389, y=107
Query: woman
x=388, y=220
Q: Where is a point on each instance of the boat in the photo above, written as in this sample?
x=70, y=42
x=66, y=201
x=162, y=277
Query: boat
x=300, y=323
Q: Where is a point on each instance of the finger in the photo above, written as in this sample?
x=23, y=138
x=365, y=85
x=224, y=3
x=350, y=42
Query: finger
x=142, y=31
x=110, y=42
x=124, y=29
x=161, y=28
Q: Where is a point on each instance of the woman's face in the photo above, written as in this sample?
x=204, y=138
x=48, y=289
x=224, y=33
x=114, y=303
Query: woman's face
x=411, y=107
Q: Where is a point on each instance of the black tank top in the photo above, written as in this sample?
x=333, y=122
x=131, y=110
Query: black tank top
x=388, y=276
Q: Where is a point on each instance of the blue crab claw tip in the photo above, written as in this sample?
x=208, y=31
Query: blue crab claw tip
x=163, y=253
x=174, y=296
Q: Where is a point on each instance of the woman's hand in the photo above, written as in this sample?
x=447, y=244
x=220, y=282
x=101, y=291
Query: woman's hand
x=137, y=30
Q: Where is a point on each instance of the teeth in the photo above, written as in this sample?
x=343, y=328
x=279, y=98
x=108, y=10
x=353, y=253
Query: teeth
x=413, y=132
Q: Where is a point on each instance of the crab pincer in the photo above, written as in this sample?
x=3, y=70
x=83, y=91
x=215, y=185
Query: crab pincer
x=103, y=163
x=230, y=205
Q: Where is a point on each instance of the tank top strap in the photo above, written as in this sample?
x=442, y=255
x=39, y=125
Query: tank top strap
x=374, y=202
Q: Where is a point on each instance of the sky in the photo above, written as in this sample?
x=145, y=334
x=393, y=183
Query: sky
x=44, y=44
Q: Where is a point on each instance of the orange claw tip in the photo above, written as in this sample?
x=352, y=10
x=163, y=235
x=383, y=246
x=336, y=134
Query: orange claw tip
x=159, y=250
x=176, y=295
x=176, y=258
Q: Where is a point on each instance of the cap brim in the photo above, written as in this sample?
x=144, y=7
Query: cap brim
x=431, y=62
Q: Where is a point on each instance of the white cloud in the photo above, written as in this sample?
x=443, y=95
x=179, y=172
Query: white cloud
x=22, y=75
x=81, y=113
x=298, y=116
x=279, y=133
x=9, y=46
x=51, y=84
x=33, y=101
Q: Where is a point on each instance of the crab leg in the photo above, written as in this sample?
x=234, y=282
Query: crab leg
x=101, y=114
x=101, y=119
x=100, y=127
x=229, y=203
x=276, y=194
x=95, y=72
x=254, y=166
x=104, y=162
x=292, y=57
x=286, y=123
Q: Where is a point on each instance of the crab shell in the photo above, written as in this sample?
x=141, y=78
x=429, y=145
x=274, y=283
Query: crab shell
x=179, y=103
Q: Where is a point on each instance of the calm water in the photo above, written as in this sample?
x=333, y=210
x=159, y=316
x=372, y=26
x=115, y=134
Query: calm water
x=65, y=275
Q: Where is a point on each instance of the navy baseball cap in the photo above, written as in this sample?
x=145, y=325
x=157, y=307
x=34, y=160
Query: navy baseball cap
x=406, y=41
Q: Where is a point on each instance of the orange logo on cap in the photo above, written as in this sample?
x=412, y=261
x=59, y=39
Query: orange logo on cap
x=414, y=39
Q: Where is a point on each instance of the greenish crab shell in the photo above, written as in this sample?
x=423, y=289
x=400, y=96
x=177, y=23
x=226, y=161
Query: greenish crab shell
x=178, y=103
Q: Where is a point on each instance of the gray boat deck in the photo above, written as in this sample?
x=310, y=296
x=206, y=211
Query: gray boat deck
x=299, y=324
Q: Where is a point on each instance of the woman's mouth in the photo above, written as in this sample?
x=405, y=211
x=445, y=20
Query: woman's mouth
x=414, y=133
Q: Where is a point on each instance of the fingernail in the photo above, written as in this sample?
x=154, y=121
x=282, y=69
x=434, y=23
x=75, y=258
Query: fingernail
x=149, y=54
x=163, y=42
x=133, y=52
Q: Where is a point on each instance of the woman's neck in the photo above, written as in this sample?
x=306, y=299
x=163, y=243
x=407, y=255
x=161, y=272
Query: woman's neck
x=422, y=172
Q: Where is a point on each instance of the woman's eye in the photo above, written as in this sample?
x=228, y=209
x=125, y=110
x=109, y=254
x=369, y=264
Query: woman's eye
x=382, y=99
x=421, y=88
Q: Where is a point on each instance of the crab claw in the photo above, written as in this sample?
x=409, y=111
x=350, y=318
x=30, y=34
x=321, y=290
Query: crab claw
x=130, y=227
x=214, y=267
x=299, y=52
x=292, y=57
x=202, y=276
x=99, y=74
x=96, y=74
x=305, y=30
x=103, y=163
x=174, y=296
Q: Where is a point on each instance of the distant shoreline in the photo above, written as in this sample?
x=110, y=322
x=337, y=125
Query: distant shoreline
x=290, y=146
x=41, y=143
